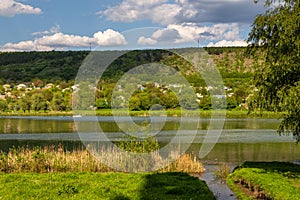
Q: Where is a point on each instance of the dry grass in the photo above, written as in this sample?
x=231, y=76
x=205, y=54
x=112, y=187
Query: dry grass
x=55, y=159
x=222, y=172
x=49, y=159
x=186, y=163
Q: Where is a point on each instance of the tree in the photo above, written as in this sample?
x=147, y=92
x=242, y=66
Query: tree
x=3, y=105
x=38, y=102
x=169, y=100
x=102, y=103
x=276, y=34
x=134, y=103
x=57, y=102
x=25, y=103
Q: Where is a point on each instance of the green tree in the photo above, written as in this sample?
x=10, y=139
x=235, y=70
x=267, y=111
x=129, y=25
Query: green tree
x=25, y=103
x=3, y=105
x=169, y=100
x=277, y=34
x=205, y=103
x=134, y=103
x=48, y=95
x=145, y=100
x=102, y=103
x=231, y=103
x=59, y=102
x=39, y=102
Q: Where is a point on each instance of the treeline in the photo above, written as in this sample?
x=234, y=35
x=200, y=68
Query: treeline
x=50, y=99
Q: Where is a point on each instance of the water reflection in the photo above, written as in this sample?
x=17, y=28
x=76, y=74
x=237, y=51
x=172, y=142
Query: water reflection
x=35, y=125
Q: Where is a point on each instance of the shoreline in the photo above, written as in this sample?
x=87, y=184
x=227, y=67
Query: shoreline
x=170, y=113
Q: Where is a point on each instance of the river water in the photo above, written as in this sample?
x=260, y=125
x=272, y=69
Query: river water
x=241, y=139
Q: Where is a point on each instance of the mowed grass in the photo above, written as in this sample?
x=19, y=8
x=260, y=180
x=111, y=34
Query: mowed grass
x=113, y=186
x=266, y=180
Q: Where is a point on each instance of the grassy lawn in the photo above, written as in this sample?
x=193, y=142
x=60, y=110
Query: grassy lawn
x=111, y=186
x=266, y=180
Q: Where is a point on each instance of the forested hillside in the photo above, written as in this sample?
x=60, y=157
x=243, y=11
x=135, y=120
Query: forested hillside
x=48, y=77
x=19, y=67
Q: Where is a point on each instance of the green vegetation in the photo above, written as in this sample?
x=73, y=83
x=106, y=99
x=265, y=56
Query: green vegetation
x=263, y=180
x=48, y=78
x=177, y=112
x=170, y=112
x=276, y=35
x=102, y=186
x=51, y=66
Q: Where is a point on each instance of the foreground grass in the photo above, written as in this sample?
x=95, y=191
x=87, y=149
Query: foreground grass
x=263, y=180
x=102, y=186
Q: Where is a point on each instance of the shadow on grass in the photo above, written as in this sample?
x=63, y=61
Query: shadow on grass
x=272, y=166
x=174, y=186
x=120, y=197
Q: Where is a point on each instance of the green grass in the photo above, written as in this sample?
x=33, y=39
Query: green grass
x=111, y=186
x=171, y=112
x=33, y=113
x=189, y=113
x=269, y=180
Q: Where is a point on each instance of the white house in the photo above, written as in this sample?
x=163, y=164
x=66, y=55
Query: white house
x=21, y=86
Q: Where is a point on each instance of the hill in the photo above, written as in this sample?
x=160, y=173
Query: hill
x=60, y=68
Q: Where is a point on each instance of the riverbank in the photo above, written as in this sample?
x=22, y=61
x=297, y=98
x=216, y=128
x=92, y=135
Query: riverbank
x=121, y=112
x=59, y=174
x=266, y=180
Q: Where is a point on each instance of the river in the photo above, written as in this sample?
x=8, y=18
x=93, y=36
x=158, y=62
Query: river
x=241, y=139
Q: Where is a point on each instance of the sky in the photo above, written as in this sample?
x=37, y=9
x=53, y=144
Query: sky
x=46, y=25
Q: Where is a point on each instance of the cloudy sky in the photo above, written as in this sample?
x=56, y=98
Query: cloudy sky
x=38, y=25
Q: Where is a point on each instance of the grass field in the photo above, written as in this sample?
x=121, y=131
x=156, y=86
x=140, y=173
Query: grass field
x=112, y=186
x=266, y=180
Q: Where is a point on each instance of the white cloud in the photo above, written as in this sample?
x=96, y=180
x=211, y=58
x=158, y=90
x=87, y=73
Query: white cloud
x=164, y=14
x=226, y=43
x=64, y=40
x=109, y=38
x=61, y=41
x=54, y=29
x=184, y=11
x=25, y=46
x=131, y=10
x=146, y=41
x=191, y=32
x=10, y=8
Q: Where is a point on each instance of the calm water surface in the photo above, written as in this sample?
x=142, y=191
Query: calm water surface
x=241, y=139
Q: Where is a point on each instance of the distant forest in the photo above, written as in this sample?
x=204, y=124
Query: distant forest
x=53, y=66
x=19, y=67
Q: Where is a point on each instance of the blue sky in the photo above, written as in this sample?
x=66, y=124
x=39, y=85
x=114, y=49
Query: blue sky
x=42, y=25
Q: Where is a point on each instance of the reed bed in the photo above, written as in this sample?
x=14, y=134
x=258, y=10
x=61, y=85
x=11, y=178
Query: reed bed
x=50, y=159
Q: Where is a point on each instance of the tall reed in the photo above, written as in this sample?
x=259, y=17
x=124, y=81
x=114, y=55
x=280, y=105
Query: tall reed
x=51, y=159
